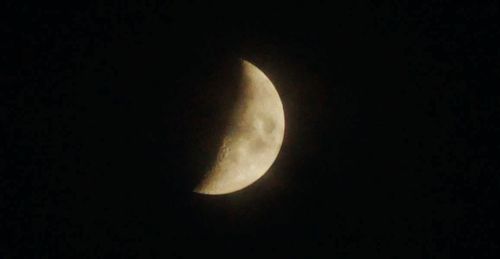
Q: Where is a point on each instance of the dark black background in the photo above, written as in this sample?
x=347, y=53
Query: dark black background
x=109, y=113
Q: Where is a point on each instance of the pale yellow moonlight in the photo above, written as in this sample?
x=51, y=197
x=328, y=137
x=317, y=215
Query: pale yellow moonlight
x=253, y=139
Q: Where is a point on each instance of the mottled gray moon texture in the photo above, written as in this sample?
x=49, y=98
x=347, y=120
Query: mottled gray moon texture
x=253, y=139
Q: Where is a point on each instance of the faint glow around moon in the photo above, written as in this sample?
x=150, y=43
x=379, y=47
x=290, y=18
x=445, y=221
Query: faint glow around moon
x=253, y=139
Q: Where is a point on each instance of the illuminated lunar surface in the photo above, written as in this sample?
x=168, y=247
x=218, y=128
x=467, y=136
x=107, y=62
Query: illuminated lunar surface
x=253, y=139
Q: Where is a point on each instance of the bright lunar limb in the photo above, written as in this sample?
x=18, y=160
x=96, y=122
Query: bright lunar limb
x=253, y=139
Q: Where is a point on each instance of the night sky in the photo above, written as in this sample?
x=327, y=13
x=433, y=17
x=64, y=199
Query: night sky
x=111, y=112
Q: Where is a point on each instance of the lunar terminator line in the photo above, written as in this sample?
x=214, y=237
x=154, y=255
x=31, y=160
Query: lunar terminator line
x=253, y=140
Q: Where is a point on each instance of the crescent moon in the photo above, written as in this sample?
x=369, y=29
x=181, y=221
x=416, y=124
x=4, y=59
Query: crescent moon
x=253, y=139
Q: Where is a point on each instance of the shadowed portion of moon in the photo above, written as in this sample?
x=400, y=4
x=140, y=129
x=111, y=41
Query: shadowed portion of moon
x=214, y=100
x=253, y=137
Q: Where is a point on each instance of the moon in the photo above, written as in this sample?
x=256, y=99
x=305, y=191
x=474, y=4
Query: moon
x=252, y=140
